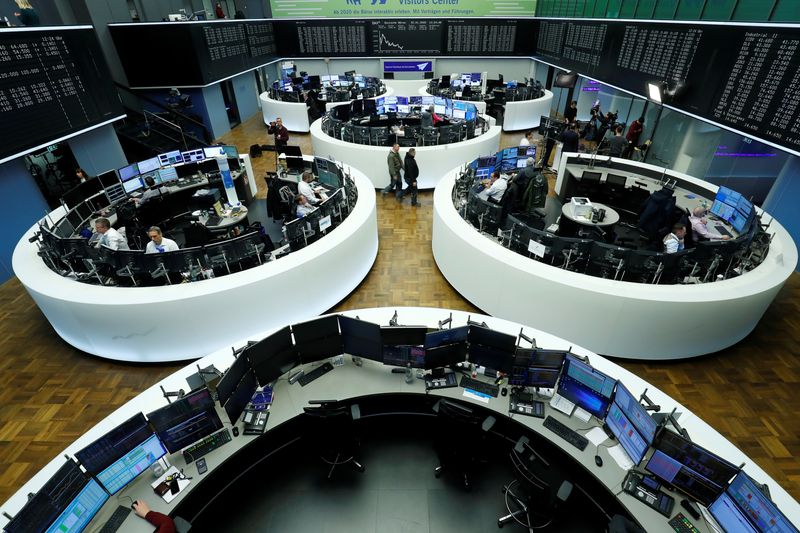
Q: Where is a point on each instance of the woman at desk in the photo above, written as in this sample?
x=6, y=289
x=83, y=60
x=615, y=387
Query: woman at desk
x=305, y=189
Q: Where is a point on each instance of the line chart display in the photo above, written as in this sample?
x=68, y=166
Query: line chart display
x=407, y=37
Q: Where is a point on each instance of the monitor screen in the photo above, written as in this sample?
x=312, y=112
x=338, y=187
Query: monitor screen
x=435, y=339
x=738, y=221
x=129, y=172
x=415, y=100
x=744, y=206
x=401, y=100
x=133, y=185
x=75, y=221
x=614, y=179
x=167, y=174
x=230, y=151
x=548, y=358
x=186, y=170
x=490, y=337
x=690, y=468
x=586, y=387
x=623, y=430
x=728, y=196
x=213, y=151
x=636, y=413
x=591, y=177
x=193, y=156
x=756, y=507
x=445, y=355
x=129, y=466
x=80, y=511
x=403, y=335
x=273, y=356
x=208, y=165
x=458, y=113
x=238, y=401
x=170, y=158
x=103, y=452
x=390, y=100
x=185, y=421
x=490, y=357
x=522, y=162
x=361, y=338
x=318, y=339
x=427, y=100
x=227, y=384
x=379, y=101
x=729, y=516
x=149, y=165
x=404, y=356
x=108, y=179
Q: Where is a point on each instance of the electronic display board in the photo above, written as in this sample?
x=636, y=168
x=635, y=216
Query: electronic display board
x=293, y=9
x=53, y=77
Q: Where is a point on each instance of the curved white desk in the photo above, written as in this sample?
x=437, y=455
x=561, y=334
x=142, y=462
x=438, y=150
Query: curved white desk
x=350, y=381
x=293, y=114
x=433, y=161
x=618, y=318
x=525, y=114
x=481, y=105
x=178, y=322
x=331, y=105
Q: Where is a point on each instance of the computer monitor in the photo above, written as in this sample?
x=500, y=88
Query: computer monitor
x=115, y=444
x=318, y=339
x=439, y=105
x=415, y=100
x=185, y=421
x=273, y=356
x=129, y=172
x=690, y=468
x=361, y=338
x=743, y=507
x=231, y=378
x=445, y=356
x=125, y=469
x=82, y=191
x=427, y=101
x=616, y=180
x=170, y=158
x=186, y=170
x=80, y=511
x=167, y=174
x=133, y=185
x=296, y=164
x=403, y=335
x=630, y=424
x=193, y=156
x=404, y=356
x=232, y=151
x=379, y=101
x=208, y=166
x=75, y=220
x=586, y=387
x=444, y=337
x=236, y=404
x=149, y=165
x=109, y=179
x=213, y=151
x=490, y=357
x=522, y=162
x=590, y=177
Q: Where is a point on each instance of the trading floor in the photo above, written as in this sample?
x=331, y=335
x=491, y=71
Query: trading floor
x=51, y=393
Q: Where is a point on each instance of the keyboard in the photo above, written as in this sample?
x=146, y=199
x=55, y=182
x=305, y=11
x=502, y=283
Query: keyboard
x=213, y=221
x=479, y=386
x=681, y=524
x=308, y=377
x=207, y=445
x=573, y=437
x=116, y=520
x=722, y=230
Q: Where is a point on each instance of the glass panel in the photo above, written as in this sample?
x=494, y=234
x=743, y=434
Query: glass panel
x=613, y=8
x=600, y=8
x=665, y=9
x=628, y=9
x=689, y=9
x=786, y=11
x=645, y=9
x=588, y=9
x=718, y=9
x=753, y=10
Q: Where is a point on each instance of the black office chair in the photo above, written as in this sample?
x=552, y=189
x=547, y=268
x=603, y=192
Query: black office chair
x=459, y=432
x=332, y=432
x=537, y=495
x=430, y=136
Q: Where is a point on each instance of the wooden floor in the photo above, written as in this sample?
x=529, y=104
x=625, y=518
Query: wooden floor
x=51, y=393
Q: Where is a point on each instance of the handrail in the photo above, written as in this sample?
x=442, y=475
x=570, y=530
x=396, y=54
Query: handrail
x=169, y=124
x=206, y=133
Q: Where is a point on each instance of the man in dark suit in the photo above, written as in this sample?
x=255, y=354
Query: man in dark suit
x=410, y=175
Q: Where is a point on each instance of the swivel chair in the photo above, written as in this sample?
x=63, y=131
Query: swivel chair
x=332, y=432
x=459, y=429
x=537, y=495
x=430, y=136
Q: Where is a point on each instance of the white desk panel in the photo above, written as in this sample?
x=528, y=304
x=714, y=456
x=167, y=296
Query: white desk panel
x=186, y=321
x=525, y=114
x=293, y=114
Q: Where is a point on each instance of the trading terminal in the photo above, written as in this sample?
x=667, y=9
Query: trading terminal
x=536, y=404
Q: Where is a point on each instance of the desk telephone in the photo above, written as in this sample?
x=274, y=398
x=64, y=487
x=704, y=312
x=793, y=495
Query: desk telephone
x=646, y=489
x=598, y=215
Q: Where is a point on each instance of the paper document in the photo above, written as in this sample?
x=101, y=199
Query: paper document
x=620, y=457
x=582, y=414
x=596, y=436
x=475, y=395
x=559, y=403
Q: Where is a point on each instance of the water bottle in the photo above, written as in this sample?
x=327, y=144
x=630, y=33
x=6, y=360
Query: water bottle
x=409, y=374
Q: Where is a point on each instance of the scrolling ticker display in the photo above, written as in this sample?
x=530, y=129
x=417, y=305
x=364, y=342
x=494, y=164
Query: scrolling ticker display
x=53, y=83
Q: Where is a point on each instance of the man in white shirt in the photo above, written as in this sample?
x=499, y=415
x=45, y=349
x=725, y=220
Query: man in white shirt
x=158, y=243
x=698, y=221
x=527, y=140
x=303, y=207
x=305, y=188
x=497, y=187
x=110, y=237
x=674, y=241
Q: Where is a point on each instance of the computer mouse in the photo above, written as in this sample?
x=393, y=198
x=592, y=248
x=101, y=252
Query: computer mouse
x=598, y=460
x=504, y=391
x=134, y=504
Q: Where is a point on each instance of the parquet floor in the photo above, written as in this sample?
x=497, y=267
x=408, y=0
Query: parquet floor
x=50, y=393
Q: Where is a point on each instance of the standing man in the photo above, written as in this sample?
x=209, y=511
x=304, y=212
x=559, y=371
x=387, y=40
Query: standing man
x=571, y=139
x=395, y=166
x=571, y=112
x=634, y=132
x=617, y=143
x=158, y=243
x=280, y=132
x=528, y=139
x=410, y=175
x=110, y=237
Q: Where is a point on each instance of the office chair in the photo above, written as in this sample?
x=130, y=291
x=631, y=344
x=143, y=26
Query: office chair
x=332, y=432
x=537, y=495
x=459, y=429
x=621, y=524
x=430, y=136
x=287, y=202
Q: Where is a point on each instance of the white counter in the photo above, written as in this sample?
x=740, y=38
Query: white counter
x=525, y=114
x=293, y=114
x=617, y=318
x=481, y=105
x=186, y=321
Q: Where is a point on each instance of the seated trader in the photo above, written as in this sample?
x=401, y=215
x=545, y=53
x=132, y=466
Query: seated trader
x=303, y=207
x=428, y=118
x=110, y=237
x=497, y=187
x=163, y=523
x=698, y=221
x=150, y=193
x=673, y=242
x=305, y=188
x=158, y=243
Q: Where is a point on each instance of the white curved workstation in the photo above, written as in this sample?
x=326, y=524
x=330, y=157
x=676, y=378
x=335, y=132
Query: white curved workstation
x=186, y=321
x=433, y=161
x=525, y=114
x=619, y=318
x=361, y=383
x=480, y=104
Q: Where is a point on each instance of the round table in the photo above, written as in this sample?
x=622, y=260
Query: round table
x=611, y=218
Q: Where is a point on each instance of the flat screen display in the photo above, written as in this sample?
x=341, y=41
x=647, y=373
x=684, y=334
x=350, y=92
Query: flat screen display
x=273, y=356
x=586, y=387
x=318, y=339
x=115, y=444
x=185, y=421
x=745, y=507
x=238, y=401
x=214, y=151
x=227, y=384
x=81, y=510
x=403, y=335
x=167, y=174
x=170, y=158
x=129, y=466
x=193, y=156
x=361, y=338
x=149, y=165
